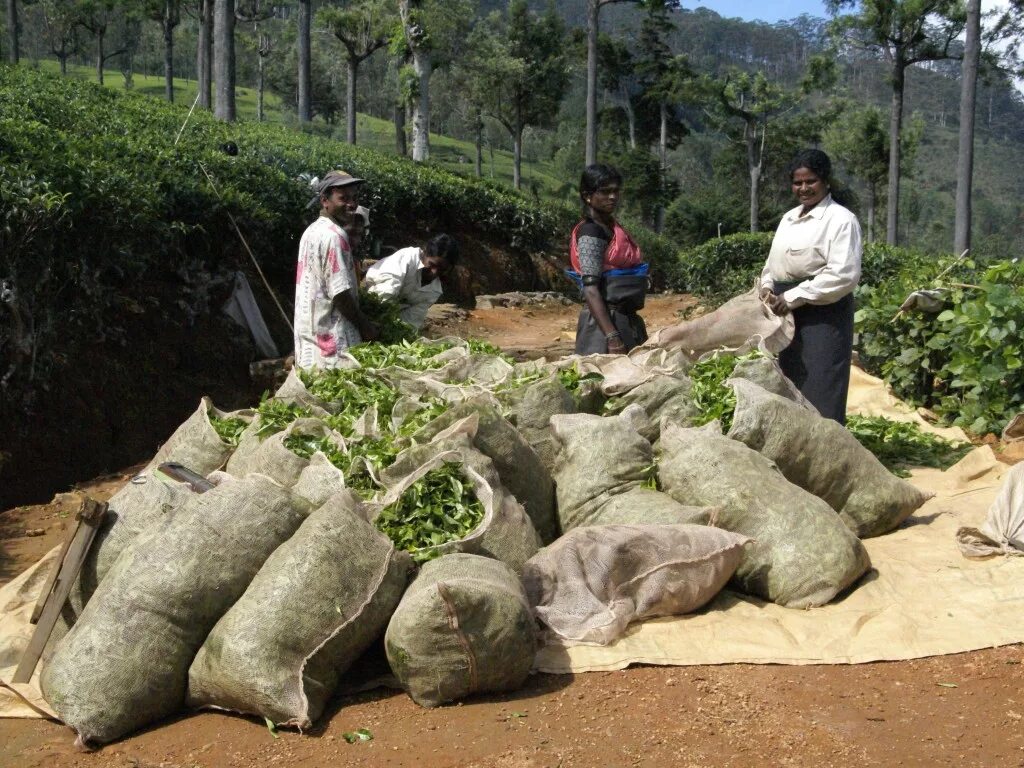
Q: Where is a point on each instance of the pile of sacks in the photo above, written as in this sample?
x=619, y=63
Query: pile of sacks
x=259, y=595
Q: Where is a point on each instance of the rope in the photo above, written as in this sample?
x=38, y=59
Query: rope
x=252, y=256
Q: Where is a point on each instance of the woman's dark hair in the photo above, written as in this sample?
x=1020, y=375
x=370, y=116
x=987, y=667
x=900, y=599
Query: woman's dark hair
x=444, y=246
x=813, y=160
x=596, y=176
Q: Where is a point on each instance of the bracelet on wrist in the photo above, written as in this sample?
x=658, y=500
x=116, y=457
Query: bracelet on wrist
x=612, y=335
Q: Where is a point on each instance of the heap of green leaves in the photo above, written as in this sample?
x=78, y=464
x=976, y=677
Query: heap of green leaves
x=350, y=391
x=229, y=430
x=439, y=507
x=386, y=315
x=352, y=461
x=899, y=445
x=274, y=415
x=411, y=355
x=415, y=421
x=712, y=397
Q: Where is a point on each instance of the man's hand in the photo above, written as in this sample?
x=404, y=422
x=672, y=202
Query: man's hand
x=615, y=346
x=778, y=305
x=368, y=330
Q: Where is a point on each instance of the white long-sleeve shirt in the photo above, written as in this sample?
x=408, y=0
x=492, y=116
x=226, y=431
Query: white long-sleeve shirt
x=398, y=277
x=821, y=249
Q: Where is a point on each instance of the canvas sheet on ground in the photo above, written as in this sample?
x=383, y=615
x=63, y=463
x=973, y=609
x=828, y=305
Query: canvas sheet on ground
x=922, y=598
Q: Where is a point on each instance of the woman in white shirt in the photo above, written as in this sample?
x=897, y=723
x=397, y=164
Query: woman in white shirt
x=812, y=269
x=411, y=277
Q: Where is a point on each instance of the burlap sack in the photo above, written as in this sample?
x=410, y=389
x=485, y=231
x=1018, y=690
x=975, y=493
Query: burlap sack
x=518, y=465
x=594, y=581
x=1002, y=533
x=767, y=374
x=646, y=506
x=462, y=627
x=196, y=444
x=317, y=603
x=802, y=554
x=505, y=533
x=662, y=397
x=249, y=443
x=319, y=481
x=275, y=460
x=822, y=457
x=728, y=327
x=125, y=663
x=530, y=409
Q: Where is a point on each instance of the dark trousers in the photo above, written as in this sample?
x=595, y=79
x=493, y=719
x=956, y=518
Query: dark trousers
x=818, y=360
x=590, y=339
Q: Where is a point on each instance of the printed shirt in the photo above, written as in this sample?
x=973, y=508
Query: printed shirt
x=398, y=277
x=821, y=248
x=325, y=268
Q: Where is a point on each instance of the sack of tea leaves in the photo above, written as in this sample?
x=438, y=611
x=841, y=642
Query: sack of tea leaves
x=594, y=581
x=1002, y=533
x=802, y=554
x=662, y=397
x=142, y=502
x=729, y=327
x=822, y=457
x=518, y=465
x=205, y=440
x=125, y=663
x=281, y=456
x=605, y=470
x=317, y=603
x=530, y=409
x=445, y=497
x=462, y=627
x=272, y=416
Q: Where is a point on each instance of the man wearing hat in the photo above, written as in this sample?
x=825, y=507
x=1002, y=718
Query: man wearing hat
x=327, y=316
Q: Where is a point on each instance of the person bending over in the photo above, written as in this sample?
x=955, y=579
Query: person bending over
x=412, y=276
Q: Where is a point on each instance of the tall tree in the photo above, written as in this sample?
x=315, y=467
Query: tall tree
x=167, y=13
x=745, y=105
x=593, y=33
x=519, y=67
x=904, y=32
x=255, y=12
x=861, y=140
x=431, y=30
x=224, y=59
x=96, y=16
x=965, y=151
x=362, y=27
x=60, y=27
x=302, y=40
x=204, y=52
x=13, y=30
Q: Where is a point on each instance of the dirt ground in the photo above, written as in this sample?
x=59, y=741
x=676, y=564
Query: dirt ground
x=964, y=710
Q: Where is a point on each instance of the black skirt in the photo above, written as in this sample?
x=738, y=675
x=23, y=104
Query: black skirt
x=590, y=339
x=818, y=359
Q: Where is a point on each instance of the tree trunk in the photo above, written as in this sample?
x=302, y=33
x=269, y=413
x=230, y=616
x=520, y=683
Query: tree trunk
x=872, y=196
x=350, y=101
x=423, y=65
x=965, y=153
x=754, y=167
x=224, y=58
x=99, y=55
x=659, y=214
x=593, y=10
x=892, y=217
x=627, y=105
x=63, y=63
x=204, y=54
x=259, y=89
x=168, y=54
x=13, y=28
x=305, y=105
x=517, y=155
x=479, y=127
x=400, y=144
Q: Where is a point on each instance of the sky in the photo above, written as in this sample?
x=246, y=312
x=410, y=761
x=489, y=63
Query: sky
x=780, y=10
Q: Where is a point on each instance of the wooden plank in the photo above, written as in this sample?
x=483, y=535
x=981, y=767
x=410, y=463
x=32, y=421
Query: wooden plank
x=54, y=570
x=90, y=517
